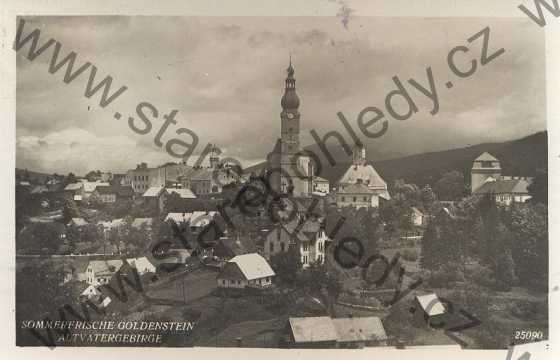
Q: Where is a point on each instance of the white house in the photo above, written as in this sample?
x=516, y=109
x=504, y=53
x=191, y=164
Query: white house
x=248, y=270
x=142, y=265
x=100, y=272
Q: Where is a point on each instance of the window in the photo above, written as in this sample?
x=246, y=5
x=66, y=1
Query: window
x=354, y=199
x=343, y=199
x=278, y=234
x=305, y=247
x=271, y=247
x=365, y=198
x=486, y=164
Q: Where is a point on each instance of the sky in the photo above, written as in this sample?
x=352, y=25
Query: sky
x=225, y=77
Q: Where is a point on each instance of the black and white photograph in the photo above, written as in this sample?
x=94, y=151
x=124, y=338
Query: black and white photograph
x=282, y=182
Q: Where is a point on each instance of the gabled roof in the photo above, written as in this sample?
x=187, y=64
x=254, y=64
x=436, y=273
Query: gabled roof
x=253, y=266
x=77, y=222
x=486, y=156
x=138, y=222
x=430, y=304
x=141, y=263
x=178, y=217
x=366, y=173
x=183, y=193
x=111, y=224
x=357, y=329
x=320, y=179
x=154, y=191
x=90, y=186
x=74, y=186
x=313, y=329
x=104, y=267
x=518, y=186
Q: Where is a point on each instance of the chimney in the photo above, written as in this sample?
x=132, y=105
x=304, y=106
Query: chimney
x=239, y=341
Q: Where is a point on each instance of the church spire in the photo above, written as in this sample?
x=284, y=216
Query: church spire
x=290, y=100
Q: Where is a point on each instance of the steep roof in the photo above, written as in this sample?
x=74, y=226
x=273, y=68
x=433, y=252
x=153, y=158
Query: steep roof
x=103, y=267
x=517, y=186
x=430, y=304
x=138, y=222
x=313, y=329
x=74, y=186
x=366, y=173
x=153, y=191
x=486, y=156
x=77, y=222
x=183, y=193
x=91, y=186
x=253, y=266
x=359, y=329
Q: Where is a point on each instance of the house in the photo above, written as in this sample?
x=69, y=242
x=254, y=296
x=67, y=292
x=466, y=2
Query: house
x=428, y=309
x=356, y=195
x=106, y=194
x=155, y=196
x=89, y=187
x=100, y=272
x=248, y=270
x=309, y=332
x=417, y=217
x=487, y=179
x=143, y=223
x=183, y=193
x=90, y=292
x=361, y=173
x=505, y=192
x=108, y=227
x=76, y=190
x=196, y=219
x=307, y=237
x=77, y=222
x=320, y=185
x=326, y=332
x=142, y=265
x=359, y=332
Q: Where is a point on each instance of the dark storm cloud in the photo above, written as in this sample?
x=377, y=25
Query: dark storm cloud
x=225, y=76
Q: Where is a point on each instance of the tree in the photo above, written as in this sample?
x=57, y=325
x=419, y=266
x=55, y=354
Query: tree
x=504, y=270
x=69, y=210
x=538, y=189
x=529, y=232
x=70, y=178
x=286, y=265
x=451, y=186
x=428, y=249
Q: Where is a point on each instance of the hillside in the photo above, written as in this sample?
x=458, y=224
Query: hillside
x=518, y=157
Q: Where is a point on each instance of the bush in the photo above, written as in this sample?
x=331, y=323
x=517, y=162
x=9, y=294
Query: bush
x=409, y=255
x=527, y=310
x=482, y=276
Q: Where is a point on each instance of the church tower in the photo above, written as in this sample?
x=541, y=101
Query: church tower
x=359, y=155
x=289, y=127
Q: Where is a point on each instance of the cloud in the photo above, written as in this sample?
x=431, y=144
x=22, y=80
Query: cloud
x=225, y=76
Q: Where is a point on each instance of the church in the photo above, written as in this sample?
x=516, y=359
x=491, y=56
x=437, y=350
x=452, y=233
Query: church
x=290, y=171
x=361, y=185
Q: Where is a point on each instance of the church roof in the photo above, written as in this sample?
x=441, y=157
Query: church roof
x=366, y=173
x=486, y=157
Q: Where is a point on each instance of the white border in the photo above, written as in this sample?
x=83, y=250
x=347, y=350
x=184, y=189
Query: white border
x=9, y=9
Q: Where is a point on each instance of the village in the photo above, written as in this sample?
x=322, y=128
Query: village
x=261, y=257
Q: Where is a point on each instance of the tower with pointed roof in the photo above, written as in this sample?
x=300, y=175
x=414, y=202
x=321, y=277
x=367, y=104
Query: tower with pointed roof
x=485, y=167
